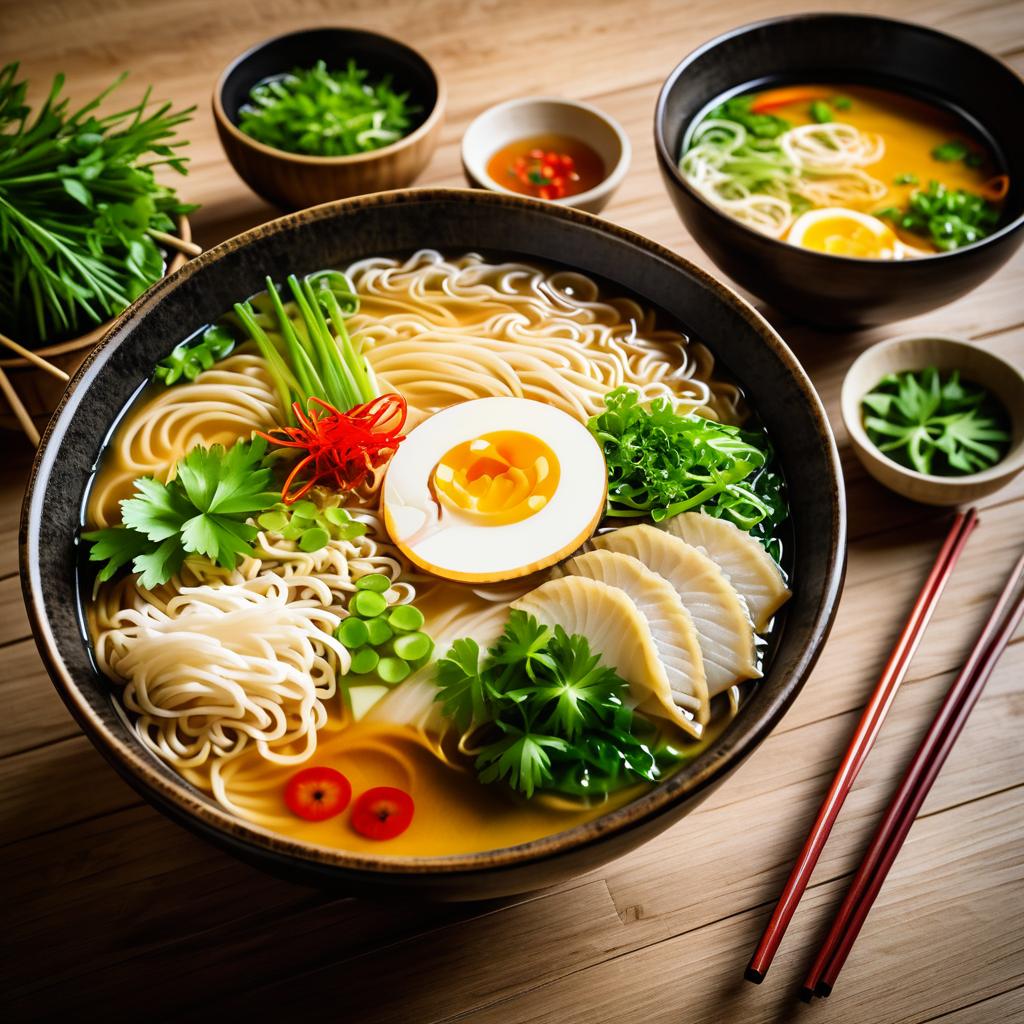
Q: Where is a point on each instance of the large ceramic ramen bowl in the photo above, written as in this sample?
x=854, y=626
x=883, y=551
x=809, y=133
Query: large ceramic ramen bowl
x=839, y=291
x=453, y=221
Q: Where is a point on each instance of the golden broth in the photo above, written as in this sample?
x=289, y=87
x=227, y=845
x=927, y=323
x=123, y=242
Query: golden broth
x=911, y=130
x=438, y=345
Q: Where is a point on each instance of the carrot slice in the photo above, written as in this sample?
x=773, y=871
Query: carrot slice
x=995, y=189
x=788, y=94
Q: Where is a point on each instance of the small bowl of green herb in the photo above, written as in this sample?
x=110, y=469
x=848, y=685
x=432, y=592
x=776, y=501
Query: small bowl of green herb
x=326, y=113
x=936, y=419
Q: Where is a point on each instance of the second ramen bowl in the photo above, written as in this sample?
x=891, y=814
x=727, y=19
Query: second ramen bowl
x=837, y=291
x=454, y=221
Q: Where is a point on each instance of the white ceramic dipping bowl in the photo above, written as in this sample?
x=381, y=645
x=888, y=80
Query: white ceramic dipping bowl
x=976, y=365
x=542, y=115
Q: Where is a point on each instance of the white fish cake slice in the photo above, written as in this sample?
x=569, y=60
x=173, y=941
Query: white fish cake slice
x=750, y=569
x=617, y=631
x=672, y=629
x=723, y=625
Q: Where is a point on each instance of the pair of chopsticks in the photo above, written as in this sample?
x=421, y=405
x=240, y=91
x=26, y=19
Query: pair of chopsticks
x=917, y=782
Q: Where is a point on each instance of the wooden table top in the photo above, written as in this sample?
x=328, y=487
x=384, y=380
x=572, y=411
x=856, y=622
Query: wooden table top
x=109, y=908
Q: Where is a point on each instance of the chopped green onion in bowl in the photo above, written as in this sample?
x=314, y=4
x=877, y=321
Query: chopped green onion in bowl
x=327, y=113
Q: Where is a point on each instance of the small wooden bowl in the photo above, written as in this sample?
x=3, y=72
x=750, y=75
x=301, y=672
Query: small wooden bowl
x=39, y=390
x=293, y=181
x=1001, y=378
x=520, y=118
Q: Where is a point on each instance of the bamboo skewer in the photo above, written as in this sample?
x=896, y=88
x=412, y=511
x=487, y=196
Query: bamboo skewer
x=174, y=242
x=19, y=409
x=32, y=357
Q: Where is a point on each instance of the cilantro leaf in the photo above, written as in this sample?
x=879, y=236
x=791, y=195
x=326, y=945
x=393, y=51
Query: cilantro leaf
x=157, y=511
x=203, y=510
x=116, y=546
x=461, y=687
x=546, y=714
x=522, y=758
x=159, y=564
x=936, y=425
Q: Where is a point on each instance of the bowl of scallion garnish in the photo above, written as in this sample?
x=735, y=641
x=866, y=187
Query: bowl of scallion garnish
x=938, y=420
x=326, y=113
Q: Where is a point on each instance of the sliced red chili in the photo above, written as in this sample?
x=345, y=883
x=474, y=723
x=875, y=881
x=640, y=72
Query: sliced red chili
x=382, y=813
x=317, y=793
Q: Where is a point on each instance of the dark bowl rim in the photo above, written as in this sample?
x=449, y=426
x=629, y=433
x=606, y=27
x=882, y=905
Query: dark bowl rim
x=421, y=131
x=204, y=815
x=830, y=260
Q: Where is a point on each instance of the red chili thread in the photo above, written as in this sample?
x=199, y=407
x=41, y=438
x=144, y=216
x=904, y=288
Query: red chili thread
x=341, y=447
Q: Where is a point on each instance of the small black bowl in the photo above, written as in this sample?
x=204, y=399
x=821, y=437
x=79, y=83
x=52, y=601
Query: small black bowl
x=839, y=291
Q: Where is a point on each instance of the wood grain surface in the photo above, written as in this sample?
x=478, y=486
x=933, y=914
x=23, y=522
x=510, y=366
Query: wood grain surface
x=110, y=912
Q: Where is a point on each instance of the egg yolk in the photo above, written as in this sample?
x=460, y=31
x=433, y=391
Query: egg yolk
x=497, y=478
x=846, y=236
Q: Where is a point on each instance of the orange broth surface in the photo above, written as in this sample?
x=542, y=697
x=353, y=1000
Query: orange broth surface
x=454, y=813
x=911, y=129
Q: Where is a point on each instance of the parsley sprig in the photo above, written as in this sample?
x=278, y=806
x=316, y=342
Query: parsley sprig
x=936, y=425
x=204, y=511
x=661, y=464
x=550, y=715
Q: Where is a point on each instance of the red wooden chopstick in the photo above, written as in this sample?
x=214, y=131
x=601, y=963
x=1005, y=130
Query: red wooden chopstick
x=915, y=786
x=863, y=739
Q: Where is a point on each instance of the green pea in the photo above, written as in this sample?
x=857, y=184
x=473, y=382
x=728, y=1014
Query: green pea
x=314, y=539
x=412, y=646
x=352, y=632
x=275, y=521
x=337, y=516
x=365, y=660
x=392, y=670
x=375, y=581
x=367, y=603
x=404, y=618
x=380, y=632
x=351, y=530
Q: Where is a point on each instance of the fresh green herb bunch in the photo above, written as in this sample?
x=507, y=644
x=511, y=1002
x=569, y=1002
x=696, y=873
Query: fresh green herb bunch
x=661, y=464
x=386, y=641
x=79, y=203
x=307, y=347
x=934, y=424
x=326, y=113
x=204, y=511
x=311, y=524
x=189, y=358
x=951, y=218
x=550, y=716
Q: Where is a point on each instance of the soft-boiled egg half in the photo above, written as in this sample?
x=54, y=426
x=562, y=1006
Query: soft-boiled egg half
x=493, y=489
x=841, y=232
